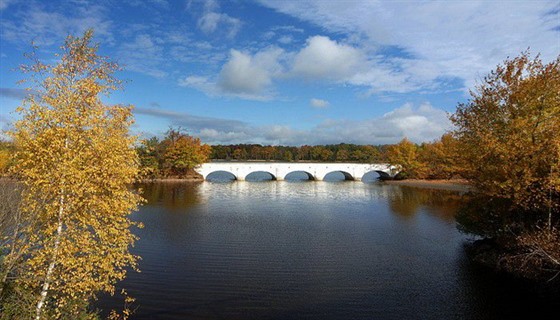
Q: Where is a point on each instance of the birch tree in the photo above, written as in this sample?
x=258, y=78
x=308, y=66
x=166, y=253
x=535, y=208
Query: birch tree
x=76, y=160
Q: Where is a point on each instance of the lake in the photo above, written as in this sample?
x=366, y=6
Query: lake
x=312, y=250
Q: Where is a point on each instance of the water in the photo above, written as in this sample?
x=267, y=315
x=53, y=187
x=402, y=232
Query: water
x=312, y=250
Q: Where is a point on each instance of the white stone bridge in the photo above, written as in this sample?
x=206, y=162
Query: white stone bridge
x=279, y=170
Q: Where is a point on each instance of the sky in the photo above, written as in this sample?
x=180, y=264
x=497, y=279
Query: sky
x=285, y=72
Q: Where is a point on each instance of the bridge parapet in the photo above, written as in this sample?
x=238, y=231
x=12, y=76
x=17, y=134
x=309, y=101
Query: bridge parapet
x=279, y=170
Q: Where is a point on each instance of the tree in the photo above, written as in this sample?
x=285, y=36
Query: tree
x=509, y=134
x=304, y=153
x=182, y=153
x=509, y=140
x=149, y=153
x=371, y=154
x=441, y=158
x=342, y=155
x=239, y=154
x=76, y=160
x=404, y=155
x=288, y=156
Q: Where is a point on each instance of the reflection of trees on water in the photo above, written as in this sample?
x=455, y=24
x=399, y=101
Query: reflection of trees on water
x=172, y=195
x=407, y=201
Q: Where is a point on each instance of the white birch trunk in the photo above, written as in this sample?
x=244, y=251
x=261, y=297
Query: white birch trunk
x=47, y=282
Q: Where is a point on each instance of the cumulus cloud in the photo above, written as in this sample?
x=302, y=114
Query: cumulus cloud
x=323, y=58
x=318, y=103
x=243, y=75
x=248, y=74
x=418, y=124
x=252, y=76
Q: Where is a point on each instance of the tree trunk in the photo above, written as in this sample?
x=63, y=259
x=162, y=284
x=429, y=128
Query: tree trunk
x=52, y=264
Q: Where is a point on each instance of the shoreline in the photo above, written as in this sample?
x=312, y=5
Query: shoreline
x=451, y=185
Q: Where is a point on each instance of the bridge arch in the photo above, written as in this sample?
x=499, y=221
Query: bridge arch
x=220, y=175
x=347, y=175
x=384, y=175
x=370, y=176
x=300, y=172
x=254, y=176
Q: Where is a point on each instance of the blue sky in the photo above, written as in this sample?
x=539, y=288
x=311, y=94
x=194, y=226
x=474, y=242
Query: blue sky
x=286, y=72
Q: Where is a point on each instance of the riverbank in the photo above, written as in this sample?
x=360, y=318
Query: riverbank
x=532, y=264
x=453, y=185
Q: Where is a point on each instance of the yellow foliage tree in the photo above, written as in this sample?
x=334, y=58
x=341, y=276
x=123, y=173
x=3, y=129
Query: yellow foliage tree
x=404, y=155
x=182, y=153
x=76, y=159
x=441, y=158
x=509, y=134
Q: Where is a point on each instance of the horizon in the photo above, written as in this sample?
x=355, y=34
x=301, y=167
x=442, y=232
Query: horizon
x=286, y=73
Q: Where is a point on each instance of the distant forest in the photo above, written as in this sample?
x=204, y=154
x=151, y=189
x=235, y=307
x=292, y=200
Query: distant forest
x=322, y=153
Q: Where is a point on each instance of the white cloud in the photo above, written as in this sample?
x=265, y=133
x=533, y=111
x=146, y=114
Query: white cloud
x=323, y=58
x=464, y=40
x=212, y=21
x=421, y=124
x=252, y=76
x=200, y=83
x=244, y=75
x=222, y=137
x=285, y=39
x=248, y=74
x=318, y=103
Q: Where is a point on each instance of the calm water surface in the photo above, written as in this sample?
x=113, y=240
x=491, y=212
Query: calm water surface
x=312, y=250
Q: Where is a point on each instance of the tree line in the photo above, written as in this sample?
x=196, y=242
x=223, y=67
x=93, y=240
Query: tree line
x=320, y=153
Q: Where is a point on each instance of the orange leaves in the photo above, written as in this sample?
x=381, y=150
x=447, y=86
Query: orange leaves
x=404, y=155
x=509, y=133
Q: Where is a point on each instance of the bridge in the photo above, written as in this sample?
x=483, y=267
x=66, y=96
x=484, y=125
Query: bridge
x=279, y=170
